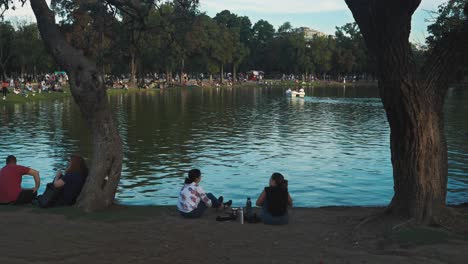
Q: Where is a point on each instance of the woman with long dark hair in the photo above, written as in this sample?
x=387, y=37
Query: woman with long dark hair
x=72, y=182
x=193, y=200
x=275, y=200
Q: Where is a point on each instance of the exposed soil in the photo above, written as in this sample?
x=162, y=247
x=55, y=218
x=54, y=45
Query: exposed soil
x=159, y=235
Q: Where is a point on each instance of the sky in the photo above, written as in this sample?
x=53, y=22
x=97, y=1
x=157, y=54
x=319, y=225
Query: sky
x=322, y=15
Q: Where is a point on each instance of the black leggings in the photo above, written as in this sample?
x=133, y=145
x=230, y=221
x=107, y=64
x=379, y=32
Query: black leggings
x=25, y=197
x=4, y=91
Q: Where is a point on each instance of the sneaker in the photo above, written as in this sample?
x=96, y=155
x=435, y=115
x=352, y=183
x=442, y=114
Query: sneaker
x=228, y=203
x=4, y=98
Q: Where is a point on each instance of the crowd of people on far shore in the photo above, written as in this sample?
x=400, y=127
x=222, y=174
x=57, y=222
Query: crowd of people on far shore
x=26, y=86
x=192, y=201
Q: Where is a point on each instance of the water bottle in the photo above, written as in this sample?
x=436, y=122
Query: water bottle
x=241, y=215
x=248, y=208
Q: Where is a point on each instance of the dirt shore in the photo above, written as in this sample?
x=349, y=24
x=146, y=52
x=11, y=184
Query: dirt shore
x=159, y=235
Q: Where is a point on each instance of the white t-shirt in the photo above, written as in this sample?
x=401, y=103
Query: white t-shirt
x=190, y=196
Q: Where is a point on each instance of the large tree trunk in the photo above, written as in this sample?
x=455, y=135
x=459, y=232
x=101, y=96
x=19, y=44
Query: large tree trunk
x=418, y=150
x=414, y=108
x=88, y=90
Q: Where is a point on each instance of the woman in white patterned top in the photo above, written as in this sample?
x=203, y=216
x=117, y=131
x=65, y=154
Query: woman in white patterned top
x=193, y=200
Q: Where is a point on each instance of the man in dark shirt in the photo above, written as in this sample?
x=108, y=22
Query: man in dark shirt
x=10, y=183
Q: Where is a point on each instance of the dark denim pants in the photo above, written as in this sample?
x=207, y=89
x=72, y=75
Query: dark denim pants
x=269, y=219
x=198, y=212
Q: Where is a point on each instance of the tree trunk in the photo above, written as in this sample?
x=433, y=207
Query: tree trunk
x=182, y=79
x=414, y=110
x=133, y=68
x=222, y=73
x=88, y=90
x=234, y=73
x=418, y=150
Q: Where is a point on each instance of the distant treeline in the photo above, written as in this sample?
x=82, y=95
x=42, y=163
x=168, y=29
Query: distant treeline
x=168, y=41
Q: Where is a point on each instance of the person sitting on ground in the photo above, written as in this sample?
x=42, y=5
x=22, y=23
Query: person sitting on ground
x=10, y=183
x=70, y=184
x=28, y=87
x=193, y=200
x=275, y=200
x=4, y=89
x=16, y=91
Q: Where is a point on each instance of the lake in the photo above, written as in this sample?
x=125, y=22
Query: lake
x=332, y=146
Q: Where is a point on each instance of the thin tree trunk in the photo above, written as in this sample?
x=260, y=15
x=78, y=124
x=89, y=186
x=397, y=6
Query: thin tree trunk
x=88, y=90
x=234, y=73
x=222, y=73
x=182, y=79
x=133, y=68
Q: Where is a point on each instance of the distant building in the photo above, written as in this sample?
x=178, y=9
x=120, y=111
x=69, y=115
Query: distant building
x=309, y=33
x=420, y=47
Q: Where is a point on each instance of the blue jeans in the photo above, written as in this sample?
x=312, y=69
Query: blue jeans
x=198, y=212
x=269, y=219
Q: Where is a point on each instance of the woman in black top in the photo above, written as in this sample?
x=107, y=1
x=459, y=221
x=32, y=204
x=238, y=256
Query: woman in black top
x=275, y=200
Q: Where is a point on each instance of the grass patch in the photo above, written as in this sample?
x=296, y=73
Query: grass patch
x=16, y=98
x=419, y=236
x=116, y=213
x=9, y=208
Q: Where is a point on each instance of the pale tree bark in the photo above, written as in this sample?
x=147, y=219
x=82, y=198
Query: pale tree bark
x=133, y=67
x=234, y=72
x=222, y=73
x=413, y=100
x=88, y=90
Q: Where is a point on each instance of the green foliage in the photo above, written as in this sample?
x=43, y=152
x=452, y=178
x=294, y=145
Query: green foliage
x=22, y=51
x=450, y=15
x=351, y=54
x=173, y=36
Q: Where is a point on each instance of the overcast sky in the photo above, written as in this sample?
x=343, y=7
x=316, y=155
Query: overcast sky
x=323, y=15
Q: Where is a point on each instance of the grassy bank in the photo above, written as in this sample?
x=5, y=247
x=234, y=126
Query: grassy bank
x=33, y=97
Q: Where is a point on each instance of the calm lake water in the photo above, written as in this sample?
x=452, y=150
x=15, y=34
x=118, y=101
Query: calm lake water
x=332, y=146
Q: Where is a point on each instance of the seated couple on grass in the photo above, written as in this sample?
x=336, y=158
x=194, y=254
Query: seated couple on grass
x=274, y=200
x=63, y=191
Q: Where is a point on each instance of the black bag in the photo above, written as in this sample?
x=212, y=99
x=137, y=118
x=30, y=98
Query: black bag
x=49, y=197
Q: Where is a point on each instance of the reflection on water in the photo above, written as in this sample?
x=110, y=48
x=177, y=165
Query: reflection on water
x=333, y=146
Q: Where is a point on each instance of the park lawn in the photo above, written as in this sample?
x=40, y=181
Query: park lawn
x=157, y=234
x=18, y=98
